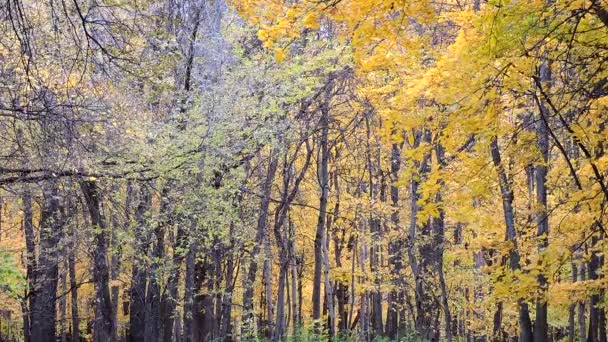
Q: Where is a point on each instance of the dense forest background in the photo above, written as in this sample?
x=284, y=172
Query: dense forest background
x=352, y=170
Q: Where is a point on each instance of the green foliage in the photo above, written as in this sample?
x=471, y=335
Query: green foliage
x=12, y=280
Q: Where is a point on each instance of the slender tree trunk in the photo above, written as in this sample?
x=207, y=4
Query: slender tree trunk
x=294, y=278
x=154, y=322
x=439, y=237
x=137, y=294
x=341, y=289
x=364, y=307
x=104, y=328
x=31, y=266
x=261, y=233
x=594, y=265
x=423, y=269
x=115, y=260
x=170, y=298
x=280, y=316
x=225, y=325
x=328, y=286
x=572, y=309
x=284, y=244
x=74, y=285
x=525, y=324
x=395, y=250
x=541, y=329
x=582, y=324
x=42, y=308
x=267, y=273
x=189, y=291
x=202, y=309
x=320, y=231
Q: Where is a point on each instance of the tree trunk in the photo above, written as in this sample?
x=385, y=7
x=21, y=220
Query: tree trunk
x=525, y=325
x=116, y=255
x=189, y=290
x=30, y=245
x=42, y=308
x=395, y=248
x=267, y=273
x=74, y=286
x=320, y=231
x=225, y=325
x=154, y=322
x=261, y=235
x=137, y=310
x=104, y=329
x=295, y=282
x=170, y=298
x=439, y=242
x=542, y=221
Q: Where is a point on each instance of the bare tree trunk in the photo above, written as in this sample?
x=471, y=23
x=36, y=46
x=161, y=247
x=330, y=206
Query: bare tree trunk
x=261, y=233
x=572, y=309
x=328, y=286
x=280, y=316
x=170, y=298
x=116, y=255
x=268, y=287
x=320, y=231
x=31, y=263
x=525, y=325
x=363, y=307
x=294, y=279
x=202, y=308
x=541, y=329
x=225, y=325
x=154, y=322
x=74, y=285
x=137, y=316
x=284, y=244
x=104, y=328
x=423, y=269
x=63, y=305
x=595, y=317
x=189, y=290
x=395, y=250
x=439, y=237
x=42, y=308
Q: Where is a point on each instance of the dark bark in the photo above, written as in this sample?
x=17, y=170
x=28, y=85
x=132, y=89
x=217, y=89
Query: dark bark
x=291, y=186
x=30, y=245
x=572, y=309
x=423, y=266
x=525, y=324
x=74, y=285
x=582, y=324
x=189, y=290
x=203, y=315
x=395, y=249
x=439, y=241
x=323, y=175
x=42, y=307
x=261, y=235
x=296, y=287
x=225, y=331
x=104, y=329
x=170, y=297
x=153, y=315
x=596, y=326
x=137, y=294
x=541, y=328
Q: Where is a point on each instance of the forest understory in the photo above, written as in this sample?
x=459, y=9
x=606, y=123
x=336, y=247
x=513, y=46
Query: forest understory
x=303, y=170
